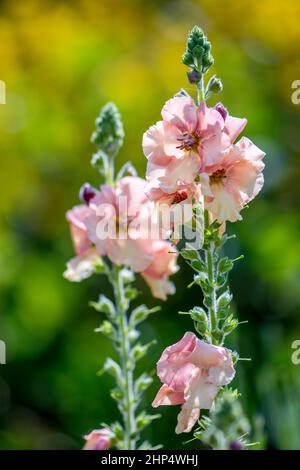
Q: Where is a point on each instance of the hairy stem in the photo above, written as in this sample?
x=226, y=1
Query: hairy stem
x=126, y=363
x=209, y=257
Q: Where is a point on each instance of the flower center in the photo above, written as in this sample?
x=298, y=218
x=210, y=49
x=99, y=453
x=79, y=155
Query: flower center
x=179, y=196
x=188, y=141
x=218, y=176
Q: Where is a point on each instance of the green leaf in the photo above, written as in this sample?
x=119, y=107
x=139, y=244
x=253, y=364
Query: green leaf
x=224, y=299
x=117, y=430
x=142, y=383
x=198, y=265
x=190, y=254
x=117, y=394
x=225, y=265
x=113, y=368
x=107, y=329
x=140, y=350
x=140, y=314
x=104, y=305
x=198, y=314
x=230, y=325
x=130, y=293
x=144, y=419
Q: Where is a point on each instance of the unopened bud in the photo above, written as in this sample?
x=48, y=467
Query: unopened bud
x=86, y=193
x=224, y=113
x=214, y=86
x=236, y=445
x=194, y=76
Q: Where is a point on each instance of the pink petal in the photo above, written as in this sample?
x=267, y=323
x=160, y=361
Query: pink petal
x=208, y=119
x=234, y=126
x=246, y=178
x=164, y=261
x=181, y=112
x=174, y=367
x=226, y=205
x=99, y=439
x=212, y=146
x=160, y=287
x=200, y=395
x=207, y=355
x=134, y=253
x=224, y=373
x=76, y=218
x=178, y=172
x=166, y=396
x=250, y=151
x=132, y=189
x=186, y=419
x=160, y=142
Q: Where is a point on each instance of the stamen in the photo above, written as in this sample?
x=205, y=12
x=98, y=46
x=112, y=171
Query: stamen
x=188, y=141
x=218, y=176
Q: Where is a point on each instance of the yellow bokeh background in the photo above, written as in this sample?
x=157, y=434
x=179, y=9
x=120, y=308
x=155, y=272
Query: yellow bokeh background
x=61, y=61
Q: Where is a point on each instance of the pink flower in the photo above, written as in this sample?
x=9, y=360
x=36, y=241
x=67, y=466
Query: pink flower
x=233, y=181
x=83, y=265
x=119, y=223
x=162, y=266
x=99, y=439
x=192, y=373
x=187, y=138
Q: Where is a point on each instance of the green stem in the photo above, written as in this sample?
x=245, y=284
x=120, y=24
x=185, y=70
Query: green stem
x=110, y=172
x=209, y=257
x=126, y=364
x=200, y=91
x=211, y=272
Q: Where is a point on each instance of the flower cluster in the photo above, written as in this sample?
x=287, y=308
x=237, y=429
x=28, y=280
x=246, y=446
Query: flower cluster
x=193, y=151
x=126, y=244
x=195, y=159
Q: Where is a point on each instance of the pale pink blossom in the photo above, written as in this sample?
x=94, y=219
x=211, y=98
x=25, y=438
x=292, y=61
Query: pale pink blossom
x=192, y=373
x=187, y=138
x=233, y=181
x=99, y=439
x=161, y=268
x=119, y=221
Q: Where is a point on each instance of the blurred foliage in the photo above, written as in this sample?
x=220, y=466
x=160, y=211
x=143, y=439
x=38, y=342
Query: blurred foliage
x=61, y=62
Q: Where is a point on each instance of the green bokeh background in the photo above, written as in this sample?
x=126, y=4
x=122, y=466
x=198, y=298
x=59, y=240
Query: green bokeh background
x=61, y=61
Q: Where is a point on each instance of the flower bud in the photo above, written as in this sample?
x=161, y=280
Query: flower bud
x=194, y=76
x=214, y=86
x=109, y=133
x=236, y=445
x=99, y=439
x=197, y=54
x=187, y=59
x=86, y=193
